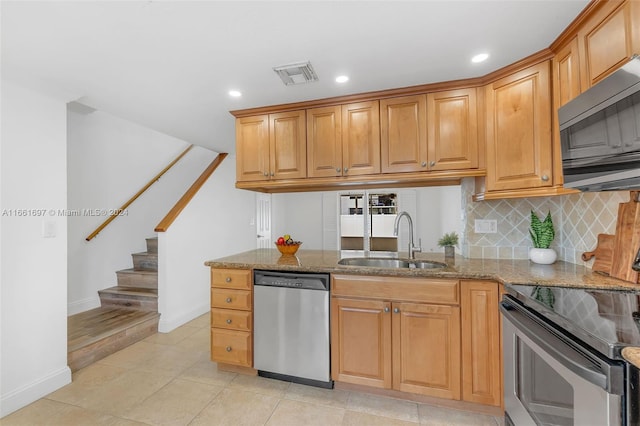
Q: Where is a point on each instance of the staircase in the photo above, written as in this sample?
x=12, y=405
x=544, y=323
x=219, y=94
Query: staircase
x=127, y=314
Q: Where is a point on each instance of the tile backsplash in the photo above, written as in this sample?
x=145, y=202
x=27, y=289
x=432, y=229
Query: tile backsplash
x=578, y=219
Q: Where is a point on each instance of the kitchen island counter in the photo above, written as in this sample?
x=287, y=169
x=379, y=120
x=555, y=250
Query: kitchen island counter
x=562, y=274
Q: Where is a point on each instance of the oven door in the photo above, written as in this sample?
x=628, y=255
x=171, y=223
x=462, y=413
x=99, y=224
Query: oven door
x=550, y=380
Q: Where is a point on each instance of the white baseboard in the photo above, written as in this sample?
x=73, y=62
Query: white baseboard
x=167, y=324
x=83, y=305
x=33, y=391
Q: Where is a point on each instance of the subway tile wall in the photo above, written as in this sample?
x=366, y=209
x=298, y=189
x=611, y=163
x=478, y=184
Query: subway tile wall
x=578, y=219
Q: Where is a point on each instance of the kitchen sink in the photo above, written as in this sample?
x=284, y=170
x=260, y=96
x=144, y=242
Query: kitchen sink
x=382, y=262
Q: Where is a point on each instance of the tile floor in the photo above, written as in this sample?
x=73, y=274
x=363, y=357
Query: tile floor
x=168, y=379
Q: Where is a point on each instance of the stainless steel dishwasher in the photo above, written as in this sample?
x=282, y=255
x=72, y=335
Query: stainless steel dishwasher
x=291, y=327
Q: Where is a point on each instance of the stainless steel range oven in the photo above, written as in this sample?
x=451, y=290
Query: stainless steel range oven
x=562, y=362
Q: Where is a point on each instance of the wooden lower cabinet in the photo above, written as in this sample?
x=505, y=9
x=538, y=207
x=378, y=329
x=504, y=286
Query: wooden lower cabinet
x=232, y=317
x=411, y=347
x=426, y=349
x=439, y=347
x=361, y=329
x=481, y=337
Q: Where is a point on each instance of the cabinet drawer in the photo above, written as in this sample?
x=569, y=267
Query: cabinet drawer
x=230, y=299
x=231, y=347
x=231, y=278
x=429, y=290
x=232, y=320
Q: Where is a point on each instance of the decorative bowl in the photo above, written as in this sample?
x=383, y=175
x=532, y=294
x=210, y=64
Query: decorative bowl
x=288, y=249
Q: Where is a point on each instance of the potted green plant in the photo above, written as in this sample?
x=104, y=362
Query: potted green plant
x=542, y=234
x=449, y=241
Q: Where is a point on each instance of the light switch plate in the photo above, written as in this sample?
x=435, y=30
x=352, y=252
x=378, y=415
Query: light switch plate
x=486, y=226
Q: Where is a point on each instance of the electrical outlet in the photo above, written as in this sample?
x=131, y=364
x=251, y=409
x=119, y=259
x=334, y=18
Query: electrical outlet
x=486, y=226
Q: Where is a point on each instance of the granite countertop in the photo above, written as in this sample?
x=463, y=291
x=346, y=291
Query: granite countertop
x=560, y=274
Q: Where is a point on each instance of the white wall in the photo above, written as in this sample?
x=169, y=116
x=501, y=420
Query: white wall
x=219, y=221
x=109, y=160
x=437, y=211
x=33, y=289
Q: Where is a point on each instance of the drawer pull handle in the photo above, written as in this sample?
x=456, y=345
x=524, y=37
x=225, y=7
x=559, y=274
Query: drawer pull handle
x=228, y=279
x=544, y=178
x=229, y=321
x=396, y=310
x=228, y=348
x=228, y=300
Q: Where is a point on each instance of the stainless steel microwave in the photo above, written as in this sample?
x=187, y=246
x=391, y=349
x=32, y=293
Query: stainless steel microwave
x=600, y=133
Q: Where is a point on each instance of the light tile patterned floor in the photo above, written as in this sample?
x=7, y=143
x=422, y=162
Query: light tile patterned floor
x=168, y=379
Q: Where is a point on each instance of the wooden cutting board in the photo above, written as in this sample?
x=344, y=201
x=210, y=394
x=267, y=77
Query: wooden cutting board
x=603, y=254
x=627, y=239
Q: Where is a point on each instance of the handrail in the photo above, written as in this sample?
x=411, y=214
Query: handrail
x=166, y=222
x=139, y=193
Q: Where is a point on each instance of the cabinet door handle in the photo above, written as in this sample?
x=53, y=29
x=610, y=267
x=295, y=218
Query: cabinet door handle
x=346, y=169
x=273, y=174
x=228, y=348
x=266, y=173
x=544, y=178
x=337, y=169
x=433, y=163
x=229, y=321
x=396, y=310
x=228, y=300
x=386, y=309
x=424, y=164
x=228, y=279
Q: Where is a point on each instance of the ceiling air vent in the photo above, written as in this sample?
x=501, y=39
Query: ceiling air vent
x=299, y=73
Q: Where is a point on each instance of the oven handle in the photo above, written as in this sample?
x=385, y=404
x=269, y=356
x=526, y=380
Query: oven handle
x=563, y=353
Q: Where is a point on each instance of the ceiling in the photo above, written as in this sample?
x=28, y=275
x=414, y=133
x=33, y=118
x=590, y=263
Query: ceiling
x=169, y=65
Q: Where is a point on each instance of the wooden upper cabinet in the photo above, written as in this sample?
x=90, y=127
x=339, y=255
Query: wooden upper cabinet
x=608, y=40
x=566, y=73
x=361, y=138
x=271, y=146
x=252, y=146
x=403, y=129
x=324, y=141
x=518, y=128
x=481, y=337
x=288, y=145
x=452, y=122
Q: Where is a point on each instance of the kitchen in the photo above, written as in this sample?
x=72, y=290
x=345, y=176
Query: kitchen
x=568, y=247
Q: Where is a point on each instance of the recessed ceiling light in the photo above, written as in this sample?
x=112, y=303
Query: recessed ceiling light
x=481, y=57
x=235, y=93
x=342, y=79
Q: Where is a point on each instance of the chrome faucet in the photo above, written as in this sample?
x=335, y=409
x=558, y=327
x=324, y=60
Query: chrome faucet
x=412, y=248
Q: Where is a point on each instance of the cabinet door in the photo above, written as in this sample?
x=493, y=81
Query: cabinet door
x=566, y=73
x=288, y=145
x=324, y=142
x=453, y=130
x=607, y=41
x=252, y=146
x=519, y=148
x=426, y=349
x=361, y=342
x=403, y=130
x=361, y=138
x=481, y=366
